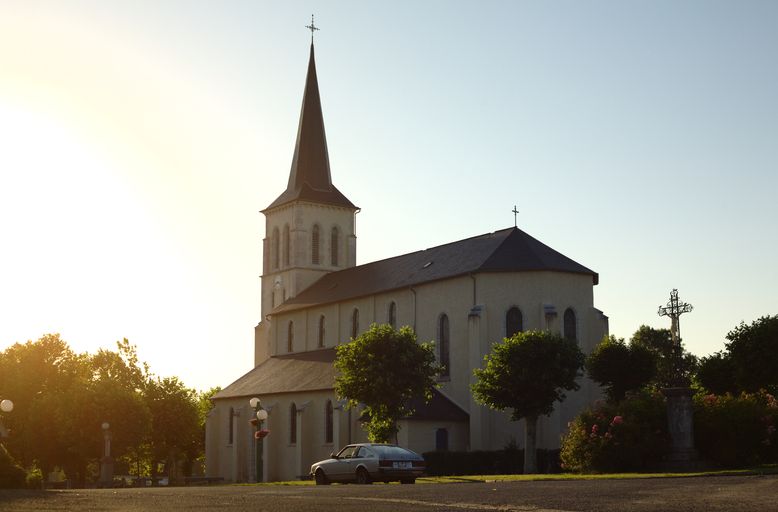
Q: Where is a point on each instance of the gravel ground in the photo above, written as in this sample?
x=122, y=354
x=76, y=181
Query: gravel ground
x=729, y=493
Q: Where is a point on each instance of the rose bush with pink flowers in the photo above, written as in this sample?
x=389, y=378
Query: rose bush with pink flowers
x=628, y=436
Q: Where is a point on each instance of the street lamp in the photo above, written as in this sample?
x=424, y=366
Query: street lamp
x=5, y=406
x=106, y=467
x=259, y=435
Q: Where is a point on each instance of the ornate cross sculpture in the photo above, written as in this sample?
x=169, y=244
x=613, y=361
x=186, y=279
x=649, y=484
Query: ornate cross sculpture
x=674, y=309
x=312, y=28
x=515, y=212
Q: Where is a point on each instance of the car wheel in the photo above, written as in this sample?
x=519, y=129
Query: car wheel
x=321, y=478
x=408, y=481
x=363, y=477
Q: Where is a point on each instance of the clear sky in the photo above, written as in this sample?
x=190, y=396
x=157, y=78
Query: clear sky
x=139, y=140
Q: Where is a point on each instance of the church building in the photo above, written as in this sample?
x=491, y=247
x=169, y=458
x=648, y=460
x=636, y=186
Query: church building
x=465, y=295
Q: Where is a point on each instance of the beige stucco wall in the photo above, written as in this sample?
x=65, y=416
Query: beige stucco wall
x=476, y=307
x=283, y=460
x=281, y=281
x=493, y=293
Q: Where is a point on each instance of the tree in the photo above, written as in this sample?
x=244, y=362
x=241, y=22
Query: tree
x=384, y=369
x=527, y=373
x=660, y=343
x=753, y=349
x=620, y=367
x=716, y=373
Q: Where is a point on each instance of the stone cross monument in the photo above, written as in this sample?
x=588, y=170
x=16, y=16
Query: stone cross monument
x=680, y=413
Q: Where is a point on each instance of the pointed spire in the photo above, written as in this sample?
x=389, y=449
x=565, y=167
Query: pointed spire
x=309, y=177
x=311, y=163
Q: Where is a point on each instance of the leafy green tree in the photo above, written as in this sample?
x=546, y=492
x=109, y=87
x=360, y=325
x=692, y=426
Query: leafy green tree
x=620, y=367
x=527, y=373
x=753, y=349
x=175, y=424
x=660, y=343
x=384, y=369
x=716, y=373
x=35, y=375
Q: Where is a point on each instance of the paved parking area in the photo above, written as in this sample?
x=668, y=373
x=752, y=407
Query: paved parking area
x=732, y=493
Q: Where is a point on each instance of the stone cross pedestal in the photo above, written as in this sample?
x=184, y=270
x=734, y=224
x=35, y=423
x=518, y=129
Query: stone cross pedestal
x=680, y=409
x=680, y=424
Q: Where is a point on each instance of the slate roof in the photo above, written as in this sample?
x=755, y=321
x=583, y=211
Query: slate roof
x=314, y=371
x=440, y=408
x=309, y=177
x=288, y=373
x=508, y=250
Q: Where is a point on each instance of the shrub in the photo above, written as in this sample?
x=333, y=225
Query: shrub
x=509, y=461
x=34, y=478
x=630, y=435
x=736, y=431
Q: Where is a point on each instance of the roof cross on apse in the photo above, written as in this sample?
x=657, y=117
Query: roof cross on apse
x=515, y=212
x=312, y=27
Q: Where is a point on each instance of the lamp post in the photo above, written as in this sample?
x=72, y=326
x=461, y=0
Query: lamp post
x=106, y=463
x=259, y=435
x=5, y=406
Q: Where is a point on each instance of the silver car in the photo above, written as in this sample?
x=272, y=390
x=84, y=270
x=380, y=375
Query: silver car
x=365, y=463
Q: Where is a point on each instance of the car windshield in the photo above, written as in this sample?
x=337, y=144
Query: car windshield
x=347, y=452
x=394, y=452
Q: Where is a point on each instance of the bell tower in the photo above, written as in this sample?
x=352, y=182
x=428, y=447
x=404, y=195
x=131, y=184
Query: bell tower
x=309, y=228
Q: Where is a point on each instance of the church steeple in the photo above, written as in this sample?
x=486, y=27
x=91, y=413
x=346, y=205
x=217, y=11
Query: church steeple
x=309, y=177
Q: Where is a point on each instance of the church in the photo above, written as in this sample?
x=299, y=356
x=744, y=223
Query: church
x=464, y=295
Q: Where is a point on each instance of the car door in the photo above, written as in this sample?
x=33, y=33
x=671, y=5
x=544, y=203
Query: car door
x=366, y=458
x=342, y=468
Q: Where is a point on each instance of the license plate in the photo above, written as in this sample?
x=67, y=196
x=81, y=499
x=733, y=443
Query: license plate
x=402, y=465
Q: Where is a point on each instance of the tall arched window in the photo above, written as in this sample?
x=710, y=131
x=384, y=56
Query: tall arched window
x=392, y=316
x=354, y=323
x=570, y=327
x=334, y=246
x=290, y=337
x=285, y=242
x=274, y=249
x=315, y=245
x=513, y=322
x=444, y=345
x=293, y=423
x=328, y=422
x=230, y=423
x=321, y=331
x=441, y=440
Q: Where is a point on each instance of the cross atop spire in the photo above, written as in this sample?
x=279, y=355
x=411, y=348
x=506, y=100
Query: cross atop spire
x=312, y=27
x=515, y=212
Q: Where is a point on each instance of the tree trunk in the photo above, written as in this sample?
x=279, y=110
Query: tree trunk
x=530, y=451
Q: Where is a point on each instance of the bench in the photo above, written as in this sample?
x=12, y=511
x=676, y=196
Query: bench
x=206, y=480
x=144, y=481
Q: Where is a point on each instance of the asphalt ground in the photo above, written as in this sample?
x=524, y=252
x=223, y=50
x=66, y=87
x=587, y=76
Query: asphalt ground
x=720, y=493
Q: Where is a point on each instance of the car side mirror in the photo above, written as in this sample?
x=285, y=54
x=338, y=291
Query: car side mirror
x=334, y=455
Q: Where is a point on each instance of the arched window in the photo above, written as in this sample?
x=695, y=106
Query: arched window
x=230, y=423
x=290, y=337
x=392, y=317
x=443, y=345
x=354, y=323
x=513, y=322
x=321, y=331
x=441, y=440
x=293, y=424
x=315, y=245
x=328, y=422
x=334, y=246
x=274, y=249
x=570, y=328
x=285, y=242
